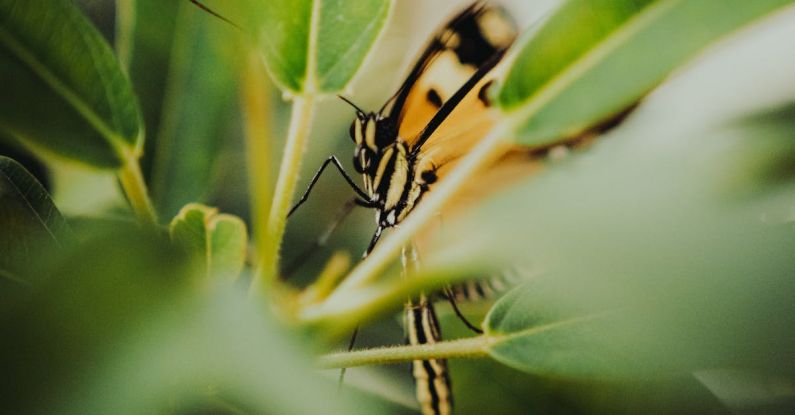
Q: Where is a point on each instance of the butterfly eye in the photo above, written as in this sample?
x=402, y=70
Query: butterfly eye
x=352, y=131
x=386, y=133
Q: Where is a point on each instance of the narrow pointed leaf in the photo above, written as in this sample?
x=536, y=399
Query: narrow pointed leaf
x=592, y=60
x=218, y=240
x=198, y=104
x=145, y=42
x=63, y=90
x=316, y=46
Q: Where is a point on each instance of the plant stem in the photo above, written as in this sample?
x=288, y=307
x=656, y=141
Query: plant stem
x=363, y=304
x=125, y=26
x=134, y=186
x=300, y=123
x=328, y=278
x=469, y=347
x=256, y=115
x=486, y=151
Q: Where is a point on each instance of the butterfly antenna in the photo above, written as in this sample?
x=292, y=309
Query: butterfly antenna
x=350, y=103
x=213, y=12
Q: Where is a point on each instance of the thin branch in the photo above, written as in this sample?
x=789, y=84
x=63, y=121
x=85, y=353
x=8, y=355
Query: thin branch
x=300, y=124
x=255, y=92
x=134, y=186
x=462, y=348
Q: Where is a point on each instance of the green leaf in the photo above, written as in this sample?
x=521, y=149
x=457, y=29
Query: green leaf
x=89, y=296
x=654, y=253
x=234, y=348
x=592, y=60
x=503, y=390
x=30, y=222
x=144, y=41
x=119, y=326
x=63, y=90
x=219, y=240
x=532, y=336
x=198, y=103
x=316, y=46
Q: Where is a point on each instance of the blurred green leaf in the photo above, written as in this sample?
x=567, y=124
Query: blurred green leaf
x=535, y=339
x=218, y=240
x=29, y=220
x=316, y=46
x=64, y=91
x=659, y=254
x=34, y=165
x=199, y=99
x=89, y=296
x=594, y=59
x=228, y=352
x=119, y=325
x=503, y=390
x=748, y=392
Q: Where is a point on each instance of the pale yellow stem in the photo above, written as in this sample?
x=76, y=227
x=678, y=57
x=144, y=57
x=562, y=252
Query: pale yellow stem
x=300, y=124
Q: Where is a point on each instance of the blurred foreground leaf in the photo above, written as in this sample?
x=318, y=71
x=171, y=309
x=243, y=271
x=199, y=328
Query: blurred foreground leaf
x=660, y=254
x=748, y=392
x=63, y=90
x=593, y=59
x=316, y=46
x=120, y=326
x=29, y=222
x=218, y=240
x=503, y=390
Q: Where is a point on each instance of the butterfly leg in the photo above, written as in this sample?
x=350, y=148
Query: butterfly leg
x=352, y=342
x=322, y=239
x=363, y=200
x=202, y=6
x=373, y=241
x=431, y=377
x=448, y=293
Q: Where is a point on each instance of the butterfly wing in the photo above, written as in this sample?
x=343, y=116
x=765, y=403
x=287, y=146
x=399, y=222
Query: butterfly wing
x=453, y=56
x=443, y=98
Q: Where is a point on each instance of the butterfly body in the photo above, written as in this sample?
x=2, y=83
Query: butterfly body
x=393, y=177
x=438, y=114
x=440, y=111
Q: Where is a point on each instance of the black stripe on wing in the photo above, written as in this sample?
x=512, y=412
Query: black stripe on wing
x=453, y=102
x=464, y=36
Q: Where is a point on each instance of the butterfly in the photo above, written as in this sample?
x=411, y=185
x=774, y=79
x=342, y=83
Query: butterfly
x=438, y=113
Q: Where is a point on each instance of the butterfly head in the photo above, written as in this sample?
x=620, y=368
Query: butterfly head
x=372, y=134
x=363, y=132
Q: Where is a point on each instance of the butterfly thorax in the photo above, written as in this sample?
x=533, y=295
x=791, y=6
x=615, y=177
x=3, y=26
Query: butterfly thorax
x=394, y=179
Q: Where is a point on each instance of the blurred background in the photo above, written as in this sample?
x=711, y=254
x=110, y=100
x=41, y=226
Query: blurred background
x=186, y=70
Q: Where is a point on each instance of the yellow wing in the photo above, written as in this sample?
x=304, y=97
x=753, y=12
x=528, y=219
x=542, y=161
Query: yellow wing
x=472, y=39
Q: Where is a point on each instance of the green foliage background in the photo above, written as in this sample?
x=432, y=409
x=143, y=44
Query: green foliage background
x=658, y=261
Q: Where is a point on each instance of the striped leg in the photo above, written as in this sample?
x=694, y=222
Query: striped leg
x=475, y=290
x=432, y=380
x=431, y=376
